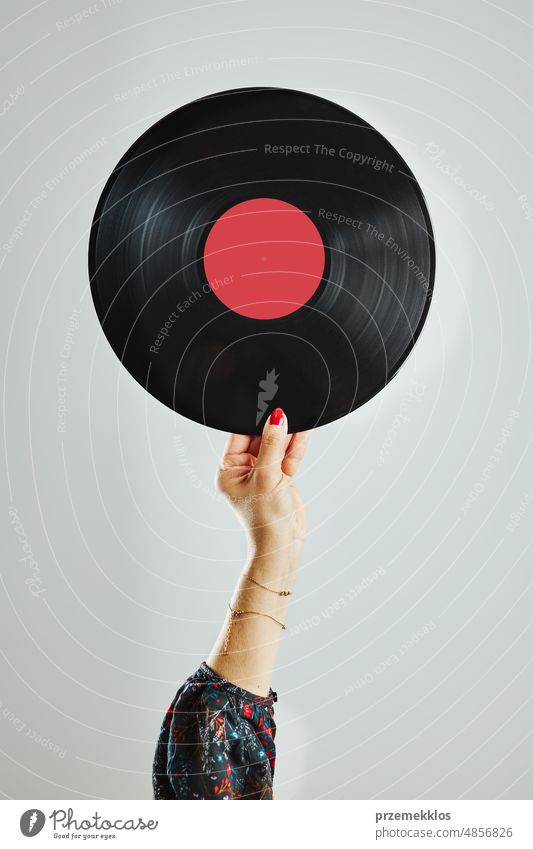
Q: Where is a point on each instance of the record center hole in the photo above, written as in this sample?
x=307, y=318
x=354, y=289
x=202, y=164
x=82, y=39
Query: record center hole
x=264, y=258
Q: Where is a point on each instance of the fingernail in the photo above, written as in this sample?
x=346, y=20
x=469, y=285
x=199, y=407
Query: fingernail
x=277, y=416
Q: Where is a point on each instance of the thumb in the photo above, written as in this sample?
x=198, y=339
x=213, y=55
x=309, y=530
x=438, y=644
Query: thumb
x=272, y=448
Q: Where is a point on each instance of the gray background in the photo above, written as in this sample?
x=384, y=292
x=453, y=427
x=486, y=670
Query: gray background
x=406, y=667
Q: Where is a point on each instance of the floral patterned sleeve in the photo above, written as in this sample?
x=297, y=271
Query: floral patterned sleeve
x=216, y=742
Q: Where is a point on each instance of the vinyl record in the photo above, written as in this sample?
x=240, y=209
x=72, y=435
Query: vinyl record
x=257, y=248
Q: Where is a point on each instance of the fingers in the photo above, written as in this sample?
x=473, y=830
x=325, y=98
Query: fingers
x=255, y=444
x=237, y=443
x=235, y=451
x=295, y=453
x=272, y=448
x=280, y=452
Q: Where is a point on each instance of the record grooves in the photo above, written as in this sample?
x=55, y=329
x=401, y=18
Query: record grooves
x=262, y=242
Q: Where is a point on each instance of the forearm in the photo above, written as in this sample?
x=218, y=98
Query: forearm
x=246, y=648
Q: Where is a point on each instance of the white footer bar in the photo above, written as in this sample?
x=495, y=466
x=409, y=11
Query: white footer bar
x=294, y=824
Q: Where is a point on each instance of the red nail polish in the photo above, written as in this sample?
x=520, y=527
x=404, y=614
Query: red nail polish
x=277, y=416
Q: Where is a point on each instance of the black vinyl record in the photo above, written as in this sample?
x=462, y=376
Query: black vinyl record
x=257, y=248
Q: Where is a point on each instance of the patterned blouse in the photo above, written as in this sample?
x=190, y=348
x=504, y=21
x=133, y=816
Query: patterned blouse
x=216, y=742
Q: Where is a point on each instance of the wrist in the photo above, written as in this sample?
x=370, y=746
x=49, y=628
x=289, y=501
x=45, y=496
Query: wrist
x=271, y=549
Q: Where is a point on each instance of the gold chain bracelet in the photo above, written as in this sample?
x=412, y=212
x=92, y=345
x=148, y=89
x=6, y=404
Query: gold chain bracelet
x=277, y=592
x=235, y=613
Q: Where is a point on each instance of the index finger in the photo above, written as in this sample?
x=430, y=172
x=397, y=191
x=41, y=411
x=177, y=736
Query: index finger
x=238, y=443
